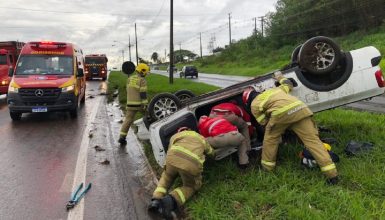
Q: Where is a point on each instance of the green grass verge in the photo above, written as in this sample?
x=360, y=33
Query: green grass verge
x=292, y=192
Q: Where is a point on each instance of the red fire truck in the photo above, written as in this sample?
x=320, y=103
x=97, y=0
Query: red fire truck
x=9, y=52
x=96, y=66
x=48, y=77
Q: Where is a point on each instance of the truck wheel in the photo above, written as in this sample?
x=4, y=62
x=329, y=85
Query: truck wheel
x=74, y=111
x=163, y=105
x=16, y=116
x=319, y=55
x=184, y=95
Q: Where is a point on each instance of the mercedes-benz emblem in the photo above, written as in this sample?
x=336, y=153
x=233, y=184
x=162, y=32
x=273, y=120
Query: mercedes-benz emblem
x=39, y=92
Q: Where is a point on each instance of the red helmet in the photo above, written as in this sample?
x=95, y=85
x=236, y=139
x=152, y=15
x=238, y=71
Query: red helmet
x=246, y=95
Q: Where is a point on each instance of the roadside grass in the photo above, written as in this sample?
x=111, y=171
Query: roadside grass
x=251, y=60
x=291, y=191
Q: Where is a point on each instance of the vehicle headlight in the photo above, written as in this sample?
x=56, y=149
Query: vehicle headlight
x=68, y=88
x=13, y=88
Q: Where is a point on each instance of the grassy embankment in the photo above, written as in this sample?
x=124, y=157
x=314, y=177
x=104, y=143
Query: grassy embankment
x=247, y=59
x=291, y=192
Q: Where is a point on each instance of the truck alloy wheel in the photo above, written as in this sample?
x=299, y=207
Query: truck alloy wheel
x=163, y=105
x=319, y=55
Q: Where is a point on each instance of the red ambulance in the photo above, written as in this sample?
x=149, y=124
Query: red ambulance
x=48, y=77
x=9, y=52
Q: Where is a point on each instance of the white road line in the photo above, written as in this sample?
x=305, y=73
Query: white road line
x=80, y=171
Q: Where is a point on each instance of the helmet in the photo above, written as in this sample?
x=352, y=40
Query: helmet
x=246, y=95
x=183, y=129
x=327, y=146
x=143, y=69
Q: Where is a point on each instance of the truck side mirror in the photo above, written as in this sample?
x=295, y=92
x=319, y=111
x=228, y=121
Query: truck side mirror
x=10, y=72
x=80, y=72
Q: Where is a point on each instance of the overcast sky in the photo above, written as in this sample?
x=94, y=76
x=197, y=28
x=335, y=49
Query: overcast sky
x=94, y=25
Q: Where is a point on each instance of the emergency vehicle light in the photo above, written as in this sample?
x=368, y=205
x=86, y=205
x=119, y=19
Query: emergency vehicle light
x=48, y=44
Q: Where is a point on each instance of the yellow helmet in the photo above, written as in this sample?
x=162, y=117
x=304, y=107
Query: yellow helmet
x=327, y=146
x=143, y=69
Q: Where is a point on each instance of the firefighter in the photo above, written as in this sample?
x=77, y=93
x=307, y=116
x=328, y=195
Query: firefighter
x=221, y=135
x=136, y=98
x=185, y=158
x=278, y=110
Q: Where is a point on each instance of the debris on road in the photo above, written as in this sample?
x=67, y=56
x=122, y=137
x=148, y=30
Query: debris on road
x=76, y=196
x=98, y=148
x=90, y=135
x=105, y=162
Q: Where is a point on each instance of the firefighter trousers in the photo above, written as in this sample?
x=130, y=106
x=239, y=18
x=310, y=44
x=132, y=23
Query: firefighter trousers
x=231, y=139
x=181, y=194
x=130, y=116
x=307, y=131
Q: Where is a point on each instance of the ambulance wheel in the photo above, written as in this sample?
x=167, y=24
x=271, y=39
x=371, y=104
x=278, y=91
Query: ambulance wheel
x=83, y=100
x=16, y=116
x=74, y=111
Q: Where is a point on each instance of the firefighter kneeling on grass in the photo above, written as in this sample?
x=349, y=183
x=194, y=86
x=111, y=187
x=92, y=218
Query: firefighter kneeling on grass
x=136, y=98
x=185, y=157
x=279, y=111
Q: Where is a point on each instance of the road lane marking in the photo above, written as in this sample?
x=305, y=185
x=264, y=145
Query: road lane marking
x=80, y=171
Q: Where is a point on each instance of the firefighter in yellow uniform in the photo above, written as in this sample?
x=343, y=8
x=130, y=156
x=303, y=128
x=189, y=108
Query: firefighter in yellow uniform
x=185, y=158
x=278, y=111
x=136, y=98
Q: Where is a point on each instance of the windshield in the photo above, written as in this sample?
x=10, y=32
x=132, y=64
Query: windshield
x=95, y=60
x=3, y=59
x=45, y=65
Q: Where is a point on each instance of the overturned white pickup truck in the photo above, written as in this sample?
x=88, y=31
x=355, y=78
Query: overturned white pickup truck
x=326, y=76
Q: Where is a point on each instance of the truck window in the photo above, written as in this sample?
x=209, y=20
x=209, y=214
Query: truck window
x=3, y=59
x=95, y=60
x=45, y=65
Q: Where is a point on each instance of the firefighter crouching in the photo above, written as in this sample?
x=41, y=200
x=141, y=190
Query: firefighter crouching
x=136, y=98
x=279, y=111
x=185, y=158
x=221, y=135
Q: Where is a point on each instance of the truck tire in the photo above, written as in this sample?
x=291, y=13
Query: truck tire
x=319, y=55
x=74, y=111
x=184, y=95
x=163, y=105
x=16, y=116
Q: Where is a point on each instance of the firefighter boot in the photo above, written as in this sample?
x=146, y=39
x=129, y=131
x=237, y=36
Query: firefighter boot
x=168, y=205
x=154, y=206
x=122, y=141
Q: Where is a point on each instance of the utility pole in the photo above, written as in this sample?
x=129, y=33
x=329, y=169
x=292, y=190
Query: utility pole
x=230, y=28
x=171, y=68
x=129, y=47
x=262, y=18
x=165, y=55
x=136, y=45
x=255, y=25
x=200, y=42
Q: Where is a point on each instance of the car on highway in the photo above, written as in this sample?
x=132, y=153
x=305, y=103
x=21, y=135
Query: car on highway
x=174, y=70
x=188, y=71
x=326, y=77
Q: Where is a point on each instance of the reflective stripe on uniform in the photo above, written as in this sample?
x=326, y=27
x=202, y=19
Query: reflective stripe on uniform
x=134, y=82
x=143, y=89
x=160, y=189
x=210, y=150
x=215, y=123
x=285, y=88
x=240, y=110
x=261, y=118
x=181, y=195
x=134, y=102
x=287, y=108
x=265, y=97
x=268, y=163
x=188, y=152
x=328, y=167
x=123, y=133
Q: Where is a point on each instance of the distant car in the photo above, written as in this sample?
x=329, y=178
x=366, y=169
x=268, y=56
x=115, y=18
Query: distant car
x=175, y=69
x=188, y=71
x=326, y=77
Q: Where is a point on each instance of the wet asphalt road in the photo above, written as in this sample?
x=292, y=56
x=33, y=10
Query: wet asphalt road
x=38, y=162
